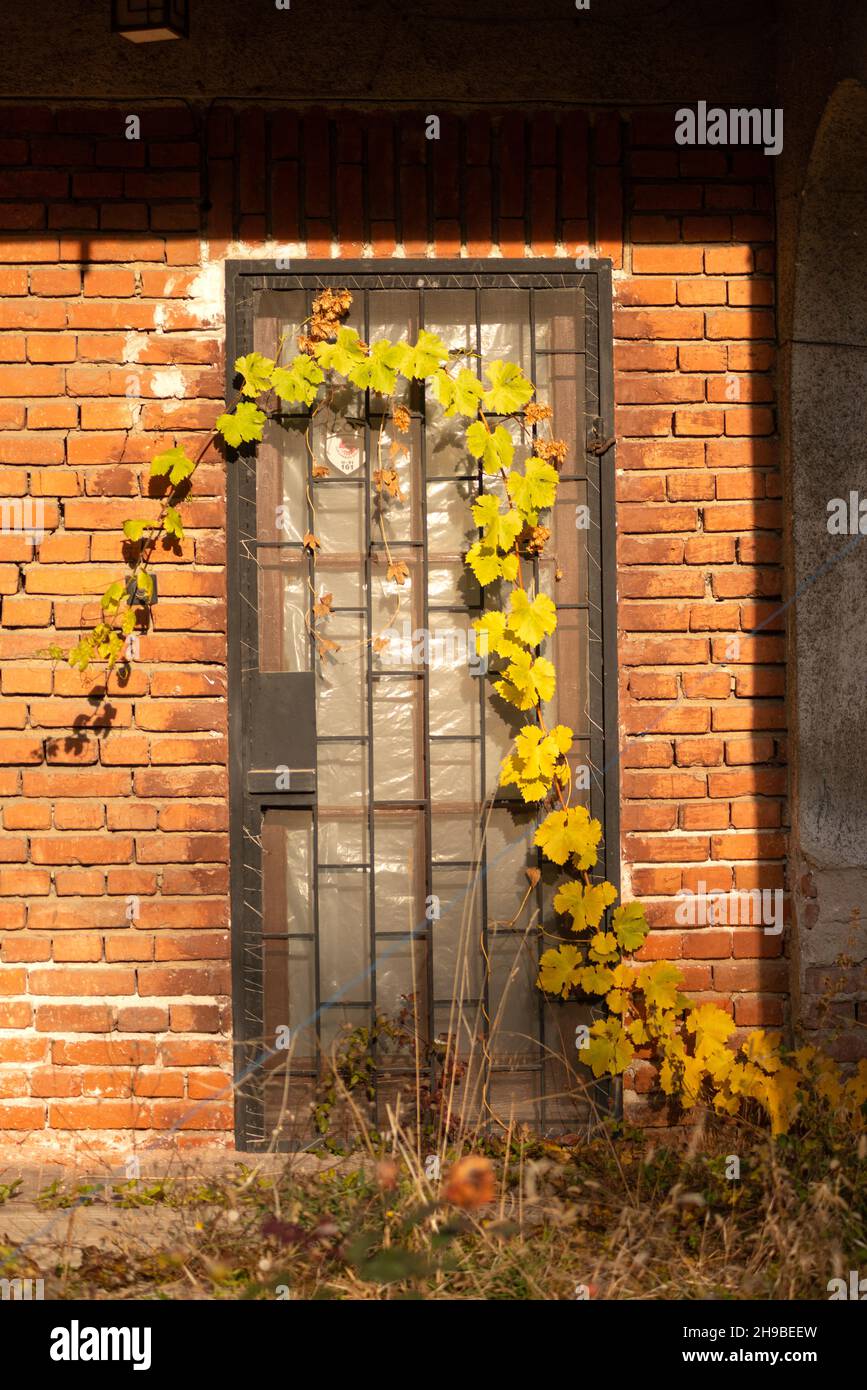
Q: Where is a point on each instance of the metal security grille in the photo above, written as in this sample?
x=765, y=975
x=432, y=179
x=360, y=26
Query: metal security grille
x=377, y=867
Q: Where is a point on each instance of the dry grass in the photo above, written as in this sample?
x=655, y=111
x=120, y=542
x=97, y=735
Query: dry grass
x=620, y=1216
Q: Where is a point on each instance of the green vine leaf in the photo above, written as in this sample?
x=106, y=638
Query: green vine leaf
x=496, y=450
x=173, y=524
x=112, y=596
x=509, y=390
x=299, y=381
x=243, y=425
x=144, y=581
x=256, y=372
x=135, y=529
x=168, y=461
x=459, y=395
x=378, y=372
x=424, y=356
x=534, y=489
x=343, y=354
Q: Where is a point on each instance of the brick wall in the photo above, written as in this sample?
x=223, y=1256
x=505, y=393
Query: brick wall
x=111, y=331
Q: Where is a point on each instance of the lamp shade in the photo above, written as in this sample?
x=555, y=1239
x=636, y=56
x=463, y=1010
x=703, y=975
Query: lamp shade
x=149, y=21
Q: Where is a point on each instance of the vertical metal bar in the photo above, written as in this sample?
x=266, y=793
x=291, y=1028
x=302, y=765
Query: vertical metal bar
x=367, y=649
x=483, y=778
x=542, y=1052
x=310, y=576
x=607, y=532
x=426, y=784
x=239, y=809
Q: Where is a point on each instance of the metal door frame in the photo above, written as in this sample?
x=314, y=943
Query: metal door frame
x=243, y=280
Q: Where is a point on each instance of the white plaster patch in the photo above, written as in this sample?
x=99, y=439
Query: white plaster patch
x=134, y=345
x=206, y=294
x=168, y=381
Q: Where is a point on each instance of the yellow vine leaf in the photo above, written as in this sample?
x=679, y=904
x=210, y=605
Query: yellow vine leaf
x=596, y=979
x=619, y=998
x=726, y=1103
x=660, y=984
x=742, y=1078
x=779, y=1096
x=526, y=682
x=691, y=1078
x=300, y=381
x=804, y=1057
x=531, y=620
x=609, y=1049
x=560, y=970
x=585, y=906
x=670, y=1069
x=501, y=529
x=570, y=832
x=602, y=947
x=718, y=1060
x=536, y=760
x=711, y=1026
x=487, y=564
x=458, y=395
x=509, y=390
x=490, y=630
x=629, y=925
x=495, y=448
x=763, y=1050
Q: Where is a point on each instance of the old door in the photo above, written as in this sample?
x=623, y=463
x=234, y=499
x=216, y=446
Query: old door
x=381, y=907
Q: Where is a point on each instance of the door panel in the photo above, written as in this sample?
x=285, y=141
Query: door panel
x=377, y=878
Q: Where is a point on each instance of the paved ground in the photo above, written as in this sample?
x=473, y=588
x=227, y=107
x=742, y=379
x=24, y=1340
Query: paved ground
x=46, y=1231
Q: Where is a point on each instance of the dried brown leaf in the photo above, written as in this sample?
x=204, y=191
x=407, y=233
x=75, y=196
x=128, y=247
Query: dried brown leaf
x=398, y=571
